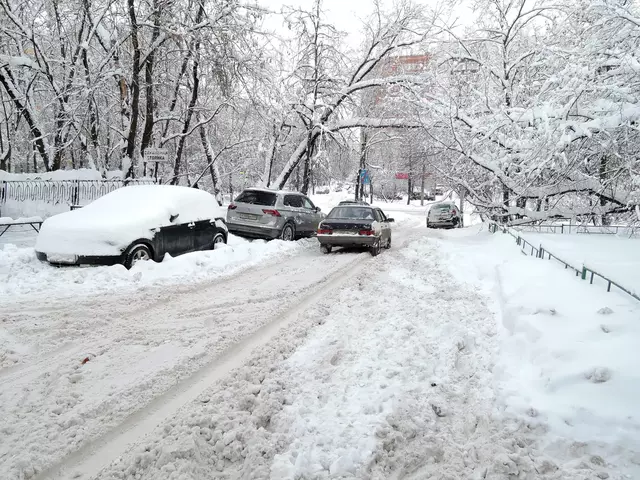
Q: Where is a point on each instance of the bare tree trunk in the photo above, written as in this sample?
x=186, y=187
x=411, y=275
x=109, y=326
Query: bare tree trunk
x=213, y=167
x=22, y=109
x=605, y=220
x=93, y=112
x=135, y=91
x=270, y=156
x=147, y=133
x=505, y=202
x=306, y=177
x=192, y=102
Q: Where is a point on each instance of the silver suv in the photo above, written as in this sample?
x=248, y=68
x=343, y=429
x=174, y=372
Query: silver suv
x=263, y=213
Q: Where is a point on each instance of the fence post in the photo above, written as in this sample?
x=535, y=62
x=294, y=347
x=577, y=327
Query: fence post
x=75, y=199
x=541, y=252
x=584, y=272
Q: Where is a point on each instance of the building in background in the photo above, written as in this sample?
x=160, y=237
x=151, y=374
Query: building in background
x=396, y=157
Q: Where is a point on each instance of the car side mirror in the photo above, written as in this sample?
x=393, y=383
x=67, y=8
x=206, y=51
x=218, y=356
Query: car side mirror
x=390, y=220
x=318, y=209
x=173, y=217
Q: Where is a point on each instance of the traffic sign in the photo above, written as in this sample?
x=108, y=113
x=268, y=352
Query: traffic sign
x=157, y=155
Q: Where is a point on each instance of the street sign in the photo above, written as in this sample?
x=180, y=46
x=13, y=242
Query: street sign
x=157, y=155
x=364, y=177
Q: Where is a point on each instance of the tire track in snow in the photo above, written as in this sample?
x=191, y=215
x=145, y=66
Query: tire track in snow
x=98, y=454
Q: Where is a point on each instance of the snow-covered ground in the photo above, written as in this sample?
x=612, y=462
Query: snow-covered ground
x=22, y=274
x=568, y=353
x=452, y=355
x=615, y=256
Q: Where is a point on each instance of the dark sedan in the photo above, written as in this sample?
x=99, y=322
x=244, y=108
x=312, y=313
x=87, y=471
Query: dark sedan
x=355, y=226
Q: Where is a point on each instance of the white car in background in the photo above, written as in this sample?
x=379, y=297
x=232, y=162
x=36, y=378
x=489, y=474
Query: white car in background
x=142, y=222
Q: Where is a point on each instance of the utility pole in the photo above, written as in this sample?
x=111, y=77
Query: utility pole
x=422, y=186
x=363, y=164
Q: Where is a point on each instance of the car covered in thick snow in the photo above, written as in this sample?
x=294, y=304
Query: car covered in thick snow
x=142, y=222
x=355, y=226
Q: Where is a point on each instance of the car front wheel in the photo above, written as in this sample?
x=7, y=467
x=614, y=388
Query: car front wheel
x=137, y=253
x=218, y=239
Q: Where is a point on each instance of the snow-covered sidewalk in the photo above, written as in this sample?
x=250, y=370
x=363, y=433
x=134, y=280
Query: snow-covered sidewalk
x=568, y=351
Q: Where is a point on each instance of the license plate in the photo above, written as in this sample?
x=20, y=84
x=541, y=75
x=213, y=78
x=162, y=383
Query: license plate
x=62, y=258
x=247, y=216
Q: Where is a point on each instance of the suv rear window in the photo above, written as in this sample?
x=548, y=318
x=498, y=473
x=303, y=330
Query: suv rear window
x=257, y=197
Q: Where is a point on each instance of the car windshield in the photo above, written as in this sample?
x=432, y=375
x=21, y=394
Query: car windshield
x=257, y=197
x=355, y=213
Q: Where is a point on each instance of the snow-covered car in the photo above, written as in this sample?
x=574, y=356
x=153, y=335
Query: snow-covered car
x=142, y=222
x=355, y=226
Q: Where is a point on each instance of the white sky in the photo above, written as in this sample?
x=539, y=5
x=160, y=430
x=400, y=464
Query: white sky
x=347, y=15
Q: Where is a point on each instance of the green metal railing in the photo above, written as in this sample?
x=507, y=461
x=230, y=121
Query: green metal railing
x=629, y=231
x=541, y=252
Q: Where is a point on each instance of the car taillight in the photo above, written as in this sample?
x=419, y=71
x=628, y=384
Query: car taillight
x=366, y=232
x=273, y=213
x=232, y=206
x=325, y=231
x=453, y=212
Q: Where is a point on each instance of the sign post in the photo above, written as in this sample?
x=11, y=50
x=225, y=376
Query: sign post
x=155, y=155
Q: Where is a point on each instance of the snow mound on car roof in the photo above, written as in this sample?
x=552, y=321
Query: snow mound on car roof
x=113, y=221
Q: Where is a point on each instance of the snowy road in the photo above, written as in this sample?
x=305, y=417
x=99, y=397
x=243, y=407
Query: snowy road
x=148, y=351
x=305, y=366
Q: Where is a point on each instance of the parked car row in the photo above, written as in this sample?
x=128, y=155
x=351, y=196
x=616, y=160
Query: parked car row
x=147, y=222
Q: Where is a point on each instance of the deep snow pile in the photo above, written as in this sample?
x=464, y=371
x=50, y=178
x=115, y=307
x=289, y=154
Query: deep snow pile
x=388, y=377
x=21, y=273
x=568, y=350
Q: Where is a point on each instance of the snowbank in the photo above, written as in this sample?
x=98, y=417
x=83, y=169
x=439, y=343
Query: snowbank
x=111, y=223
x=568, y=350
x=22, y=274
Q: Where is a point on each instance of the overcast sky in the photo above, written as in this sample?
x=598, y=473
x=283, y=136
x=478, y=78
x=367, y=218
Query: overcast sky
x=346, y=15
